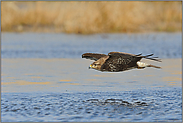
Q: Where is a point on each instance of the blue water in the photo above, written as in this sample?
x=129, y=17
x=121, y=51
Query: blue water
x=139, y=106
x=48, y=45
x=44, y=79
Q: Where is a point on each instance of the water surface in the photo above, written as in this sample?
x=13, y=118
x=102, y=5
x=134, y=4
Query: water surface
x=60, y=45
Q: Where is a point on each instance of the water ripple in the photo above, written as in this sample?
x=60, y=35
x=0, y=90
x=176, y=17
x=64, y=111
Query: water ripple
x=141, y=105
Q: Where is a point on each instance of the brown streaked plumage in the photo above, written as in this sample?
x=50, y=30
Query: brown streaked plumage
x=118, y=61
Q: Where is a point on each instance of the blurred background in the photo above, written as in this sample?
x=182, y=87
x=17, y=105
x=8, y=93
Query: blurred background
x=91, y=17
x=69, y=29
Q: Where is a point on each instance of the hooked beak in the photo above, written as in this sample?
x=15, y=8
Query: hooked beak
x=90, y=66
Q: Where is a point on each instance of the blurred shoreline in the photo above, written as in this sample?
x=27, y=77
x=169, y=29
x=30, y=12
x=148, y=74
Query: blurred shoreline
x=92, y=17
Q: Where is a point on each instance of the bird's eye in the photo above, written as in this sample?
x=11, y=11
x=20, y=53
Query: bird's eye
x=95, y=65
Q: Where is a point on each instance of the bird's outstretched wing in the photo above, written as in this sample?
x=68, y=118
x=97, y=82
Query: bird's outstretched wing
x=138, y=55
x=93, y=56
x=122, y=53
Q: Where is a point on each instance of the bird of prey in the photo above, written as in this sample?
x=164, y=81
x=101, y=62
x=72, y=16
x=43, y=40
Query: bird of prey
x=118, y=61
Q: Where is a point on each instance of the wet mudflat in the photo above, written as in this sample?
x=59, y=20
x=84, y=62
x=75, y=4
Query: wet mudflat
x=44, y=86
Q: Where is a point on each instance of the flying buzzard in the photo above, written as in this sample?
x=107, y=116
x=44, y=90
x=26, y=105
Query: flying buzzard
x=118, y=61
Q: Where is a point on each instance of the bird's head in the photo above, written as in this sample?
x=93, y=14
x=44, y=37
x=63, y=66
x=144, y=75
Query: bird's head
x=95, y=65
x=98, y=64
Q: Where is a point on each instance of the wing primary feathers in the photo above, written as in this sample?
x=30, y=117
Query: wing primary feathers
x=138, y=54
x=92, y=56
x=147, y=55
x=155, y=57
x=152, y=58
x=159, y=60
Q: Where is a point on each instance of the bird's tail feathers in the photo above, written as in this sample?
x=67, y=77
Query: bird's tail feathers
x=143, y=65
x=154, y=66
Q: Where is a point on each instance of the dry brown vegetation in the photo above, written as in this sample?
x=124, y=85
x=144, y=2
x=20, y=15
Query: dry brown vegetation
x=91, y=17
